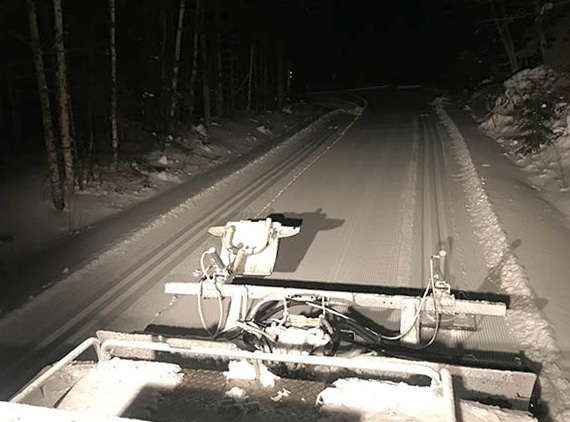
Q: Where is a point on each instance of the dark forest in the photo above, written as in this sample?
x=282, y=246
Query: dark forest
x=96, y=75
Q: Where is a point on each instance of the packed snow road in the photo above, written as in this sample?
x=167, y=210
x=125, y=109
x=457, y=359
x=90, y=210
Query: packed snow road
x=375, y=205
x=378, y=194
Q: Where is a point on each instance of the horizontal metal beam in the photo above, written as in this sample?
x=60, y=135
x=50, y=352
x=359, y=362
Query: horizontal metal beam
x=371, y=300
x=373, y=364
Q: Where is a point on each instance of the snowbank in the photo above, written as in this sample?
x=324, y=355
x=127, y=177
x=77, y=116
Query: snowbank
x=550, y=165
x=516, y=89
x=526, y=323
x=29, y=222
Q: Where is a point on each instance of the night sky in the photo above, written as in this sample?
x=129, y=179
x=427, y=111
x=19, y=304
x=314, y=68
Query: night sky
x=411, y=41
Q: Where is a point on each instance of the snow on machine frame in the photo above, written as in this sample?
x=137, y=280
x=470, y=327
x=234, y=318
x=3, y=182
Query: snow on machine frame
x=314, y=326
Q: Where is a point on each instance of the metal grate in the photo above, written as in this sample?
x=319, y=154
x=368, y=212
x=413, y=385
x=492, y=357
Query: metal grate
x=200, y=397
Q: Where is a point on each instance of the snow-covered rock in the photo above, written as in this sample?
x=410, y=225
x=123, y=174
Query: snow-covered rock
x=264, y=129
x=200, y=130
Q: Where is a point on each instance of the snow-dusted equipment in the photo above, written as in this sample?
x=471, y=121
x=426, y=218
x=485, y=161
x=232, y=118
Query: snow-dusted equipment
x=286, y=350
x=249, y=247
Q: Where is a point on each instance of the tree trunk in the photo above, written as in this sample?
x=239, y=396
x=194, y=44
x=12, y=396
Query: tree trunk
x=56, y=188
x=542, y=44
x=3, y=113
x=114, y=101
x=219, y=67
x=14, y=115
x=163, y=124
x=194, y=73
x=288, y=81
x=505, y=36
x=250, y=75
x=85, y=165
x=265, y=82
x=232, y=82
x=174, y=86
x=280, y=82
x=62, y=98
x=205, y=82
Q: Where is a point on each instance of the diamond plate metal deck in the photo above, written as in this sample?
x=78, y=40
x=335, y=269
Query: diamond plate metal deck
x=201, y=397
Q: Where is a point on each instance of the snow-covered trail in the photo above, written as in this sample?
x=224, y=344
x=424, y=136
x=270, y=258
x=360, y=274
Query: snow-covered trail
x=379, y=204
x=375, y=205
x=98, y=293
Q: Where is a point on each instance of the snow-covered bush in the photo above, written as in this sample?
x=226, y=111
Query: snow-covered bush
x=526, y=110
x=483, y=99
x=531, y=120
x=534, y=116
x=519, y=86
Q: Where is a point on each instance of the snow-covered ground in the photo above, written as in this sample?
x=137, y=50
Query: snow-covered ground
x=545, y=176
x=523, y=202
x=548, y=169
x=30, y=224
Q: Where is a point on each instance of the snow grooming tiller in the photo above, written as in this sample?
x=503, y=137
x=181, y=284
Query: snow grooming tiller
x=284, y=350
x=284, y=317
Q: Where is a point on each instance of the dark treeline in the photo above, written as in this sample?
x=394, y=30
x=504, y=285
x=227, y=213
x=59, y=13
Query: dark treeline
x=126, y=73
x=109, y=78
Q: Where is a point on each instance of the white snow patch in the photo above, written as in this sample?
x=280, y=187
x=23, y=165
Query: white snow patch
x=515, y=88
x=356, y=111
x=264, y=129
x=165, y=177
x=369, y=400
x=243, y=370
x=114, y=386
x=236, y=394
x=281, y=394
x=375, y=400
